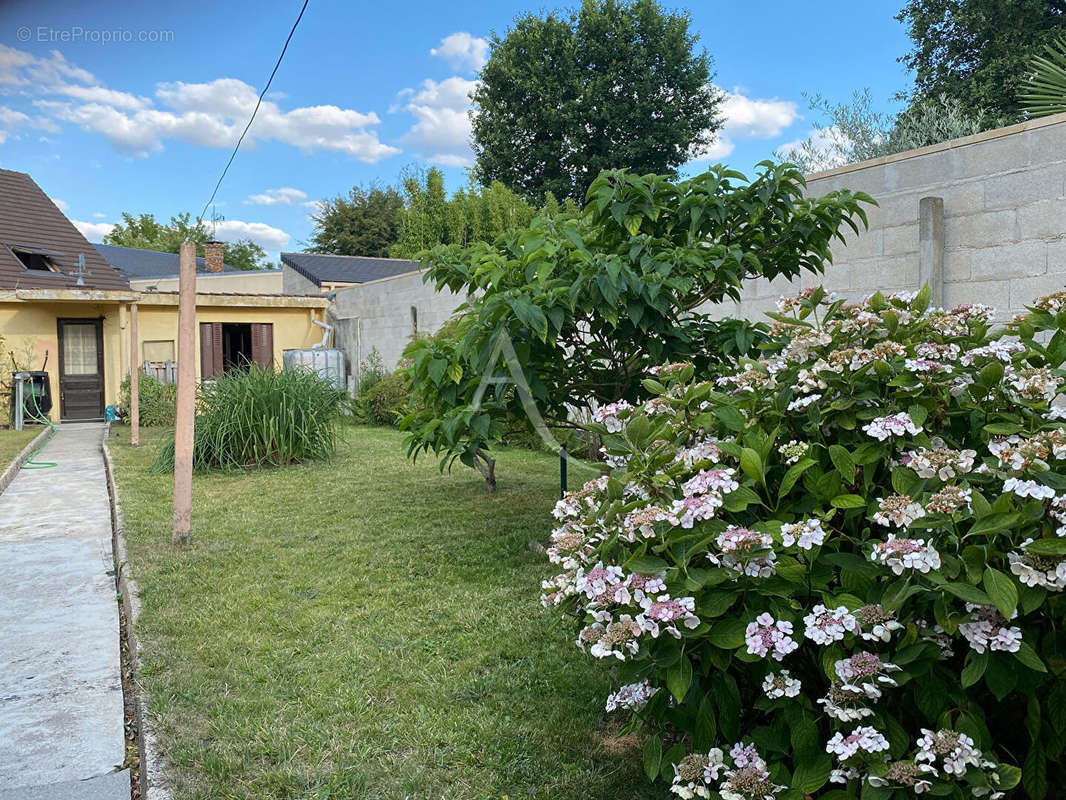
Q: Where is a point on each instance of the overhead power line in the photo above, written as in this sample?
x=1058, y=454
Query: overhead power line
x=251, y=119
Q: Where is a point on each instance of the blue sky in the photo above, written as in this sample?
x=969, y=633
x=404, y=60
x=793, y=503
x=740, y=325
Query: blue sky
x=119, y=106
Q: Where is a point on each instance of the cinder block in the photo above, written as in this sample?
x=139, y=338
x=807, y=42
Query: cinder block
x=981, y=230
x=1009, y=261
x=921, y=171
x=957, y=264
x=993, y=156
x=1047, y=144
x=1023, y=291
x=1056, y=257
x=899, y=209
x=1045, y=219
x=867, y=244
x=992, y=293
x=963, y=198
x=1025, y=186
x=893, y=274
x=900, y=240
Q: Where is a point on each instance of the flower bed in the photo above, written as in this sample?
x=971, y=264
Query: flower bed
x=837, y=570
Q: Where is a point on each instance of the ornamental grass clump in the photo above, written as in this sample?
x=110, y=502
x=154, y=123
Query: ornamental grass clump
x=837, y=571
x=255, y=417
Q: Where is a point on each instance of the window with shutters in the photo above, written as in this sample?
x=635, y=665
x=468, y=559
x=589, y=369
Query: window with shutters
x=234, y=345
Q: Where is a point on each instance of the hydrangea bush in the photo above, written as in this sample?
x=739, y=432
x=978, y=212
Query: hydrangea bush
x=837, y=571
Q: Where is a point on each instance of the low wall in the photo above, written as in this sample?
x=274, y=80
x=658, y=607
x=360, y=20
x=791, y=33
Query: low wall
x=385, y=314
x=982, y=219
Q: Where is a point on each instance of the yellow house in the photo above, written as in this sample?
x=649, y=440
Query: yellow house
x=65, y=311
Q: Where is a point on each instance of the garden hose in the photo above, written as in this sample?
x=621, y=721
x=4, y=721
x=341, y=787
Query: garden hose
x=41, y=417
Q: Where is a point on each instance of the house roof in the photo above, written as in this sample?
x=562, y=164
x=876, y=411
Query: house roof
x=135, y=263
x=31, y=222
x=320, y=268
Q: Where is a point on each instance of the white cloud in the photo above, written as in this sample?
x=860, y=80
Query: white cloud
x=266, y=236
x=463, y=51
x=98, y=94
x=9, y=120
x=441, y=132
x=60, y=204
x=97, y=214
x=747, y=118
x=285, y=196
x=211, y=114
x=93, y=231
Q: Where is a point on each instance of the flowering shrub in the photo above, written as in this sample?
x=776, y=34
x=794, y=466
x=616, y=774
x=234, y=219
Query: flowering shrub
x=837, y=571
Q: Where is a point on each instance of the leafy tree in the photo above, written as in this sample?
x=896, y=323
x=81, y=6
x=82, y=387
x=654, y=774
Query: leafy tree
x=857, y=131
x=977, y=51
x=614, y=84
x=365, y=223
x=473, y=214
x=1044, y=91
x=592, y=302
x=146, y=233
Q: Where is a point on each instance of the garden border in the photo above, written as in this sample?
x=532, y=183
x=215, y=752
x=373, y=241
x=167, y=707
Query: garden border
x=152, y=784
x=13, y=468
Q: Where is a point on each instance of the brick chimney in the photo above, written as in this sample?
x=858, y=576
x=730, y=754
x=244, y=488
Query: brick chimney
x=213, y=256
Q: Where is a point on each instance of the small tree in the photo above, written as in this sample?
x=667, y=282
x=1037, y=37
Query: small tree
x=590, y=302
x=365, y=223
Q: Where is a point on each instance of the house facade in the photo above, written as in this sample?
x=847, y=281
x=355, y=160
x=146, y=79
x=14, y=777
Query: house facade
x=66, y=310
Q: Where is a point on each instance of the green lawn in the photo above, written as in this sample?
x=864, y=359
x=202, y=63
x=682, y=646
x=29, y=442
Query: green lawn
x=12, y=442
x=365, y=628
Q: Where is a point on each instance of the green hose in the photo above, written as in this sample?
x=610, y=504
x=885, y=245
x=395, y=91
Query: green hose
x=30, y=463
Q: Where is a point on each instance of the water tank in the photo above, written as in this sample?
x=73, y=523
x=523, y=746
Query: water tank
x=327, y=363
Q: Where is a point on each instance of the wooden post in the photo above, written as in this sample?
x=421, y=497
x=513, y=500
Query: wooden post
x=186, y=405
x=135, y=371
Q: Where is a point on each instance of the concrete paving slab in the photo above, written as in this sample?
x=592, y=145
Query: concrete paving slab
x=61, y=710
x=115, y=786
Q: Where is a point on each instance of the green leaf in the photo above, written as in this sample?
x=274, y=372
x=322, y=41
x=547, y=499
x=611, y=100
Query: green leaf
x=728, y=634
x=646, y=565
x=751, y=464
x=812, y=773
x=1002, y=590
x=731, y=418
x=739, y=499
x=971, y=594
x=1027, y=655
x=679, y=678
x=976, y=664
x=793, y=475
x=843, y=462
x=1034, y=773
x=705, y=729
x=671, y=757
x=1047, y=547
x=994, y=523
x=848, y=501
x=653, y=756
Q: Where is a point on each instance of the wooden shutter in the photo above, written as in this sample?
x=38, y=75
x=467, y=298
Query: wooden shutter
x=210, y=350
x=263, y=344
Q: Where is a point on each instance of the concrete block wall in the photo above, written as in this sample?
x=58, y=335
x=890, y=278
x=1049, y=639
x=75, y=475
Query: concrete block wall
x=385, y=314
x=1003, y=239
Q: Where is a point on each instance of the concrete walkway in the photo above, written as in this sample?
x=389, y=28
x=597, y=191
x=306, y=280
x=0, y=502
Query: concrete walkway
x=61, y=713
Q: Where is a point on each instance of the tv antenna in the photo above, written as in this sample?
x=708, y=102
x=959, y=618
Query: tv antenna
x=80, y=272
x=215, y=219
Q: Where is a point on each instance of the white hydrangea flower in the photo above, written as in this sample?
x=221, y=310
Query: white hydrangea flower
x=864, y=739
x=988, y=630
x=767, y=636
x=899, y=424
x=632, y=696
x=1028, y=489
x=825, y=626
x=805, y=535
x=1037, y=570
x=781, y=684
x=902, y=554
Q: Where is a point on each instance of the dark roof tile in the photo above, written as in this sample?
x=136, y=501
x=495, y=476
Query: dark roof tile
x=135, y=263
x=319, y=268
x=28, y=218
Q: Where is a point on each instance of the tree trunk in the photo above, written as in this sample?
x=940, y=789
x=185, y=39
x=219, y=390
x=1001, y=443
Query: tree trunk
x=487, y=467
